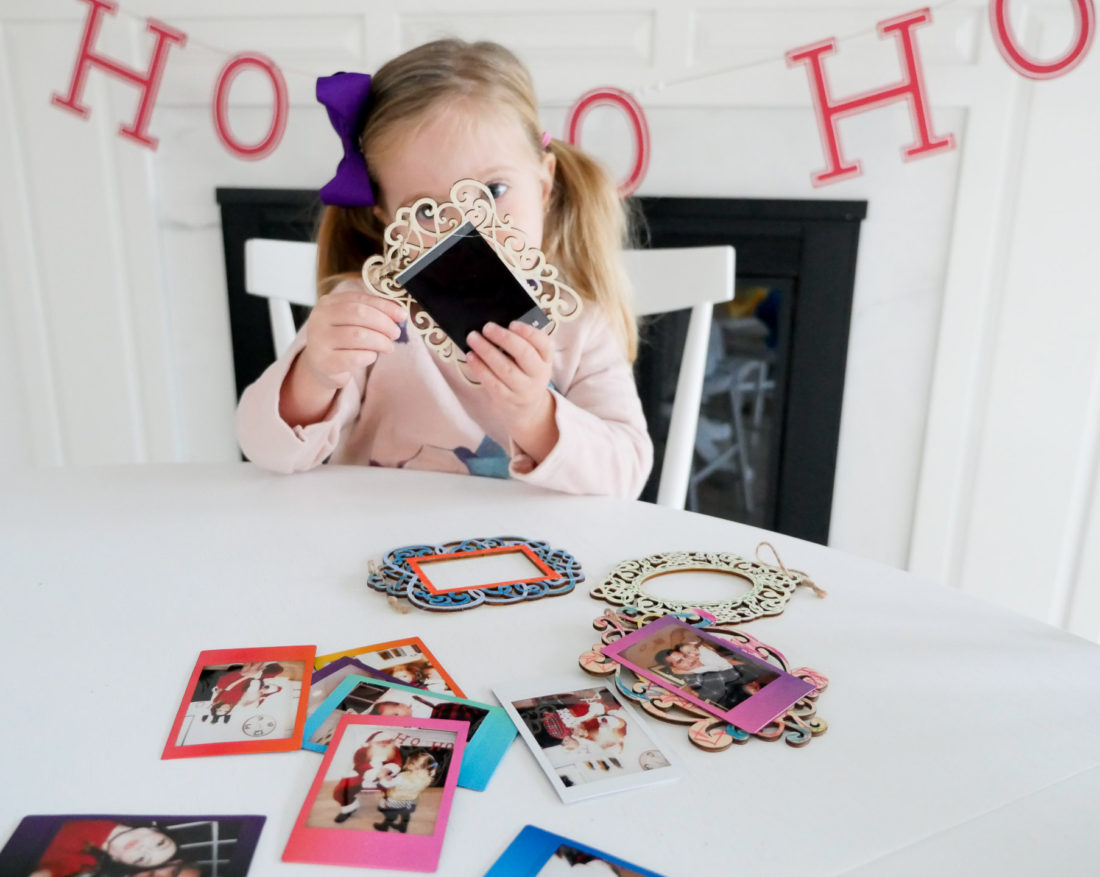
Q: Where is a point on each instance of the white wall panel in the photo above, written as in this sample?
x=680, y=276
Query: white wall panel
x=1037, y=451
x=32, y=433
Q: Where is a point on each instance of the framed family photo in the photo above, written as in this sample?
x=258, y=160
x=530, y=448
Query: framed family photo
x=243, y=700
x=382, y=796
x=489, y=734
x=586, y=739
x=711, y=673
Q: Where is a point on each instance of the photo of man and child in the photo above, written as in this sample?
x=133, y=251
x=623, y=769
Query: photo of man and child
x=243, y=701
x=717, y=674
x=384, y=779
x=587, y=736
x=709, y=672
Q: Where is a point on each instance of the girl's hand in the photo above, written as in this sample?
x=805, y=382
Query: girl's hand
x=513, y=365
x=345, y=333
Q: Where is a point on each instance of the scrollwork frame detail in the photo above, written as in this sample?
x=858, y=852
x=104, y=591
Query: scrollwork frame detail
x=421, y=225
x=395, y=577
x=771, y=587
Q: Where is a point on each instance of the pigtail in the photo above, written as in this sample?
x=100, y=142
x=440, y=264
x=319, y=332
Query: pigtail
x=586, y=229
x=346, y=238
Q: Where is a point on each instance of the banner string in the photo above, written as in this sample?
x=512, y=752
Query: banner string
x=639, y=91
x=661, y=85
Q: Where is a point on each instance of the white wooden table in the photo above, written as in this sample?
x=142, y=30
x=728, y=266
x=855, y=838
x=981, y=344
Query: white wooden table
x=962, y=739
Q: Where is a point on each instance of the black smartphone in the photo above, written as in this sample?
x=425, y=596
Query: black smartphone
x=463, y=284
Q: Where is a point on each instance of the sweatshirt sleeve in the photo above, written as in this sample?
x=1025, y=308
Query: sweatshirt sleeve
x=269, y=441
x=603, y=445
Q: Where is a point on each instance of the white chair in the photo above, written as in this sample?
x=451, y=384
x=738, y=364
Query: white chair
x=664, y=280
x=667, y=280
x=285, y=273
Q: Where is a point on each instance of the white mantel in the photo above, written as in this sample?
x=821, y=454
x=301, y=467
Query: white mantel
x=971, y=425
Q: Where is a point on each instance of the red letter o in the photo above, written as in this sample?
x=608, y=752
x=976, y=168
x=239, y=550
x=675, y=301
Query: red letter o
x=234, y=68
x=1024, y=64
x=634, y=112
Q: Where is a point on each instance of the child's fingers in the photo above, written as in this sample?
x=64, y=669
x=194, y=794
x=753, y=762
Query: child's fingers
x=481, y=373
x=375, y=313
x=522, y=351
x=538, y=338
x=342, y=338
x=500, y=364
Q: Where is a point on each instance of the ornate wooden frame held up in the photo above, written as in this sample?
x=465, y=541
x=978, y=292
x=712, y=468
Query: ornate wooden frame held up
x=418, y=227
x=771, y=586
x=400, y=575
x=797, y=726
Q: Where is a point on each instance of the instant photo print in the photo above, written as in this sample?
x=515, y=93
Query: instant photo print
x=407, y=661
x=328, y=677
x=490, y=729
x=586, y=739
x=382, y=796
x=92, y=843
x=538, y=853
x=243, y=700
x=463, y=284
x=711, y=673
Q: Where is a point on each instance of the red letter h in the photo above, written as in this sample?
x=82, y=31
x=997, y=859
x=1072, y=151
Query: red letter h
x=911, y=89
x=149, y=82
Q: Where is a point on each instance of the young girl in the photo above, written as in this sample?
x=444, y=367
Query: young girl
x=402, y=792
x=379, y=757
x=559, y=410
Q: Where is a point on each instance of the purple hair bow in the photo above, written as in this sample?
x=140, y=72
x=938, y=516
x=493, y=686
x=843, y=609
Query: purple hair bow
x=344, y=95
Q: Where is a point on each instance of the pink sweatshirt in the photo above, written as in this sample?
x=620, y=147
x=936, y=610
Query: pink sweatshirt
x=412, y=410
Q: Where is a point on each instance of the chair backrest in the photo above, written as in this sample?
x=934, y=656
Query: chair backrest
x=284, y=272
x=671, y=280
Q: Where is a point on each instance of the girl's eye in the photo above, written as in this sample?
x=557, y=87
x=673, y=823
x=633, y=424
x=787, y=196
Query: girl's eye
x=497, y=190
x=425, y=213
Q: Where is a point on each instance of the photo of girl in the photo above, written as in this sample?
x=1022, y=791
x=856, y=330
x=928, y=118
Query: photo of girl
x=243, y=701
x=106, y=846
x=389, y=778
x=103, y=847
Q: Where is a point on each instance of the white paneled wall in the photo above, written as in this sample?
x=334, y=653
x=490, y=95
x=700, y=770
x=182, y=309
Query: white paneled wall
x=971, y=421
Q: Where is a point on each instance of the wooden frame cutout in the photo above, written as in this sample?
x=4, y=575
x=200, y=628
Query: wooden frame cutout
x=771, y=586
x=796, y=727
x=417, y=566
x=400, y=575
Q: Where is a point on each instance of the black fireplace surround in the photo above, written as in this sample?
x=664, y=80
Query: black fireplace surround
x=808, y=245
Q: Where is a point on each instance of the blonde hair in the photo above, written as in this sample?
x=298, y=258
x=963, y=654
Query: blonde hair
x=586, y=224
